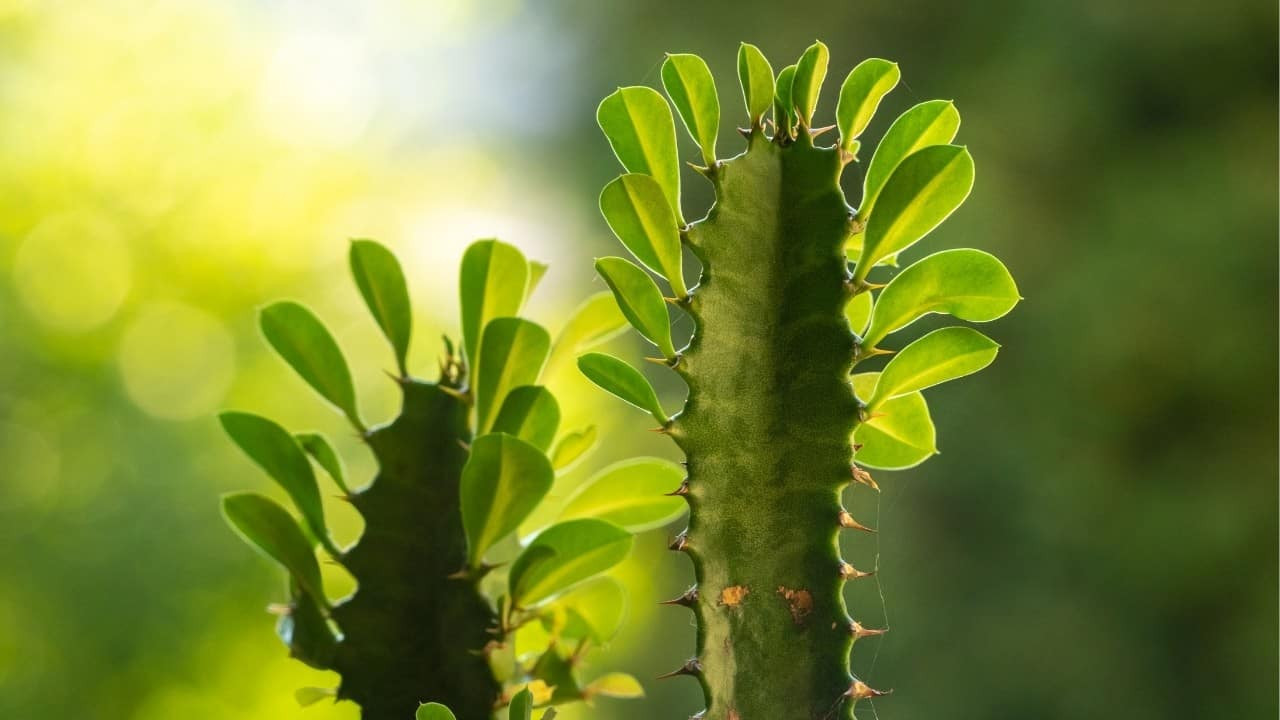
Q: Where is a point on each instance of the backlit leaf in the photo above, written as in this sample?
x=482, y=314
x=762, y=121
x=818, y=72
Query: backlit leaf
x=930, y=123
x=640, y=300
x=491, y=284
x=642, y=133
x=300, y=338
x=860, y=95
x=969, y=284
x=942, y=355
x=632, y=494
x=692, y=90
x=596, y=320
x=810, y=72
x=640, y=216
x=925, y=188
x=623, y=381
x=755, y=74
x=858, y=312
x=784, y=113
x=901, y=435
x=272, y=530
x=564, y=555
x=572, y=447
x=530, y=413
x=433, y=711
x=382, y=285
x=614, y=685
x=512, y=353
x=318, y=447
x=594, y=609
x=503, y=481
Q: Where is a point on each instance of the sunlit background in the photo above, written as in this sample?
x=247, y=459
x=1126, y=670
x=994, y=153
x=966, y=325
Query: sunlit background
x=1097, y=538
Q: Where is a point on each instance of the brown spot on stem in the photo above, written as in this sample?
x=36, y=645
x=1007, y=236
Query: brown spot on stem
x=800, y=602
x=733, y=595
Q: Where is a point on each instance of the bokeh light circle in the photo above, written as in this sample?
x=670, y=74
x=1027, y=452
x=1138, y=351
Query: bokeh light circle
x=176, y=361
x=73, y=271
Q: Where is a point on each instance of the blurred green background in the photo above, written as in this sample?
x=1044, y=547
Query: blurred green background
x=1098, y=537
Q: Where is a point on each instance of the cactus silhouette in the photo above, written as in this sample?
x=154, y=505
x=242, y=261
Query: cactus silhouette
x=461, y=468
x=777, y=425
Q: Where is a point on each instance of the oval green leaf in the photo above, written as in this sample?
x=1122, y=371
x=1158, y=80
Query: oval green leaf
x=810, y=72
x=623, y=381
x=969, y=284
x=639, y=215
x=942, y=355
x=642, y=133
x=755, y=74
x=632, y=494
x=573, y=447
x=640, y=300
x=596, y=320
x=925, y=188
x=318, y=447
x=433, y=711
x=784, y=113
x=930, y=123
x=594, y=609
x=303, y=341
x=272, y=530
x=858, y=311
x=900, y=435
x=521, y=705
x=512, y=353
x=860, y=95
x=492, y=283
x=691, y=88
x=274, y=450
x=614, y=685
x=503, y=481
x=564, y=555
x=382, y=285
x=530, y=413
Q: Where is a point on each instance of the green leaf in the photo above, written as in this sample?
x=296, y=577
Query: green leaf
x=381, y=283
x=632, y=494
x=492, y=284
x=642, y=133
x=691, y=88
x=433, y=711
x=307, y=696
x=784, y=113
x=639, y=215
x=537, y=270
x=530, y=413
x=594, y=609
x=318, y=447
x=279, y=455
x=926, y=188
x=512, y=353
x=810, y=72
x=300, y=338
x=640, y=300
x=615, y=685
x=564, y=555
x=596, y=320
x=572, y=447
x=521, y=705
x=861, y=94
x=272, y=530
x=623, y=381
x=969, y=284
x=940, y=356
x=900, y=435
x=858, y=312
x=930, y=123
x=756, y=77
x=503, y=481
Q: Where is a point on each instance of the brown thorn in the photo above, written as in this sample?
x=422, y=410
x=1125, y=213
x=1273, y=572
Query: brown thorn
x=745, y=132
x=861, y=691
x=862, y=476
x=464, y=445
x=690, y=667
x=849, y=572
x=687, y=599
x=680, y=542
x=815, y=132
x=680, y=491
x=847, y=522
x=858, y=631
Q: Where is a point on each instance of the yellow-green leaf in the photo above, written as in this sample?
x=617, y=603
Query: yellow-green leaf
x=640, y=300
x=922, y=192
x=756, y=77
x=858, y=311
x=572, y=447
x=491, y=284
x=272, y=530
x=807, y=85
x=503, y=481
x=594, y=609
x=623, y=381
x=784, y=112
x=860, y=95
x=640, y=216
x=633, y=494
x=642, y=133
x=899, y=435
x=691, y=88
x=969, y=284
x=382, y=285
x=512, y=353
x=564, y=555
x=930, y=123
x=942, y=355
x=303, y=341
x=596, y=320
x=614, y=685
x=530, y=413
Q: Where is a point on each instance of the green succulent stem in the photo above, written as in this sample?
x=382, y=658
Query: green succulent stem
x=766, y=436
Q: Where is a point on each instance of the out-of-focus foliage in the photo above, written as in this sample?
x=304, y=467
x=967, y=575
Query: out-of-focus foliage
x=1100, y=539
